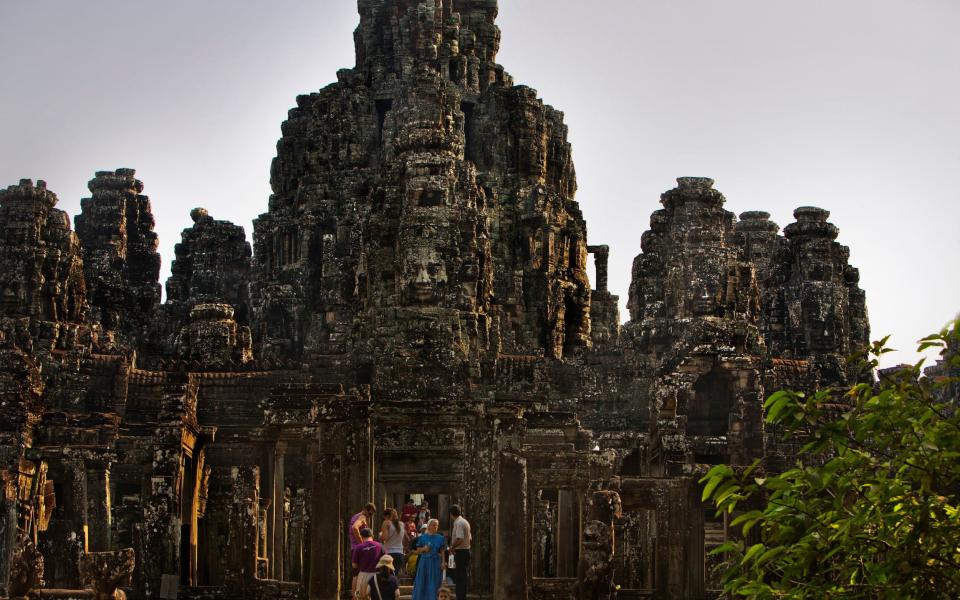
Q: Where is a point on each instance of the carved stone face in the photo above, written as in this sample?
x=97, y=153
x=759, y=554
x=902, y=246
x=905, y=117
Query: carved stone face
x=817, y=261
x=702, y=302
x=10, y=298
x=468, y=283
x=703, y=236
x=424, y=274
x=17, y=296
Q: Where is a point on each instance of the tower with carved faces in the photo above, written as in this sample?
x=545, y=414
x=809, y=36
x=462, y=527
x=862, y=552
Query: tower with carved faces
x=423, y=194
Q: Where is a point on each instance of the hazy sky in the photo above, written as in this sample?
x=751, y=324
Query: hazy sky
x=851, y=105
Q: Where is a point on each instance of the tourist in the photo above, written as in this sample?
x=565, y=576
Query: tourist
x=444, y=593
x=409, y=536
x=460, y=538
x=391, y=535
x=409, y=511
x=411, y=531
x=364, y=559
x=357, y=522
x=430, y=564
x=423, y=515
x=384, y=585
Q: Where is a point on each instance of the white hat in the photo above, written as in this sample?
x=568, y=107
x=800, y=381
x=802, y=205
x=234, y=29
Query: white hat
x=386, y=561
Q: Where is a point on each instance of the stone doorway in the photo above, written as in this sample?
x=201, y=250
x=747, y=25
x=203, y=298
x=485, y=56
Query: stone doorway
x=438, y=501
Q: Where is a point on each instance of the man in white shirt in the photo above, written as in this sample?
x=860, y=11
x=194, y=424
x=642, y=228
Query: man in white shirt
x=460, y=545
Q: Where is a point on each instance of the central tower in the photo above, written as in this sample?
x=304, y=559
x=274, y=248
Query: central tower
x=422, y=221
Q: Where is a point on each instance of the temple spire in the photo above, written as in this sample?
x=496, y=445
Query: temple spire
x=458, y=39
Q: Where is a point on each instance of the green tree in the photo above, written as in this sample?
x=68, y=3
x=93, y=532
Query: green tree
x=870, y=510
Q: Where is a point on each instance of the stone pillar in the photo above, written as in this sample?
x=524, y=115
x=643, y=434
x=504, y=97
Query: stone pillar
x=601, y=256
x=679, y=543
x=192, y=513
x=442, y=513
x=693, y=535
x=357, y=475
x=510, y=562
x=267, y=518
x=326, y=532
x=478, y=498
x=279, y=514
x=159, y=535
x=98, y=507
x=263, y=559
x=242, y=547
x=293, y=556
x=568, y=533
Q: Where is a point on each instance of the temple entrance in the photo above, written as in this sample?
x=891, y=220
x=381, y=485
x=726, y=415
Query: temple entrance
x=438, y=503
x=710, y=412
x=556, y=532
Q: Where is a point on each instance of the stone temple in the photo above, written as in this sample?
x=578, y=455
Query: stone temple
x=414, y=317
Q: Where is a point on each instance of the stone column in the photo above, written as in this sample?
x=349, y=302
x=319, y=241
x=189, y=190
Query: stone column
x=98, y=506
x=293, y=557
x=568, y=533
x=357, y=476
x=279, y=517
x=680, y=570
x=263, y=561
x=477, y=499
x=158, y=535
x=510, y=562
x=443, y=511
x=196, y=475
x=690, y=501
x=326, y=551
x=242, y=546
x=267, y=520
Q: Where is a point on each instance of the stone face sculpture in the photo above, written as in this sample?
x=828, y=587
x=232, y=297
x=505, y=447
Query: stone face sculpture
x=213, y=340
x=106, y=572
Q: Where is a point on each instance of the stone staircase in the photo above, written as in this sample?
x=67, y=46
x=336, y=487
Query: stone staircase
x=406, y=587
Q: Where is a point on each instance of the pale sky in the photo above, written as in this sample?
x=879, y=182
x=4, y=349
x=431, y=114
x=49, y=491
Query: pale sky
x=851, y=105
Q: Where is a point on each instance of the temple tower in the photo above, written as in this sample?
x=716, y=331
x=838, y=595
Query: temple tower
x=399, y=195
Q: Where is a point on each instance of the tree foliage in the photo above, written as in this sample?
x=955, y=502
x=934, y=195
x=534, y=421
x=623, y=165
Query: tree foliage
x=870, y=510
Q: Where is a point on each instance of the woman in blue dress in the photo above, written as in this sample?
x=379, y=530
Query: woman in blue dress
x=430, y=546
